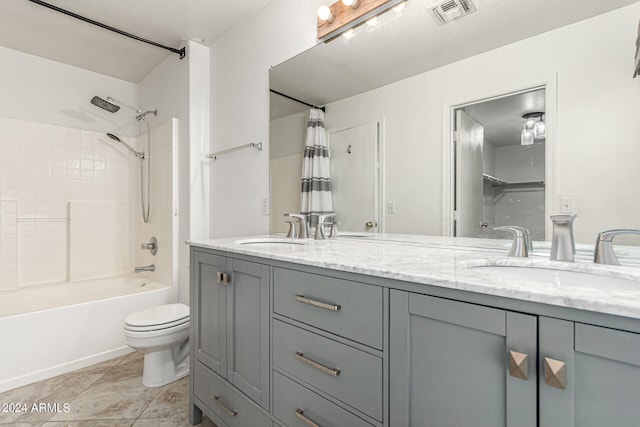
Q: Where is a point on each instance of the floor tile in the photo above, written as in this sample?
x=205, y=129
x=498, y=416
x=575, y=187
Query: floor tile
x=107, y=394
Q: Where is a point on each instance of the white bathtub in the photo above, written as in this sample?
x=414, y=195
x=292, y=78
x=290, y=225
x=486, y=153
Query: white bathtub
x=57, y=328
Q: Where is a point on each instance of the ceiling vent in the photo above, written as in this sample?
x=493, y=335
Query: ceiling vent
x=448, y=10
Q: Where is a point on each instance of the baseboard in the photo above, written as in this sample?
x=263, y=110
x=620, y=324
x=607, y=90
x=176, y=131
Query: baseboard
x=64, y=368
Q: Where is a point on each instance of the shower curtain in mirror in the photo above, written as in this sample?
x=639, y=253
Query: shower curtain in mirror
x=316, y=179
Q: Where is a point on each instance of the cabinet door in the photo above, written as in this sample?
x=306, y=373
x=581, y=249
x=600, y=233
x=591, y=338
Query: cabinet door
x=599, y=369
x=209, y=308
x=248, y=329
x=449, y=364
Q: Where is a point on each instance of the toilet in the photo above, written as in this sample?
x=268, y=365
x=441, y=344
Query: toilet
x=162, y=334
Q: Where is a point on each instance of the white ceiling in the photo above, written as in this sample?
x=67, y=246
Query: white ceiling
x=34, y=29
x=502, y=117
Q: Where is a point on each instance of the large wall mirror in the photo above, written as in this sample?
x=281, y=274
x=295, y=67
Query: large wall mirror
x=412, y=80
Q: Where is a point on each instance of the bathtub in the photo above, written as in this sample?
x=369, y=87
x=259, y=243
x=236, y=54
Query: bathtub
x=48, y=330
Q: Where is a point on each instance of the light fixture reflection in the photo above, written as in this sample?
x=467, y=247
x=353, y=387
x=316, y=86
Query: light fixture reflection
x=534, y=128
x=399, y=7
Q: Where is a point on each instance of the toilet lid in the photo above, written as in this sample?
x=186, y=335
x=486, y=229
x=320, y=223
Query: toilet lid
x=159, y=315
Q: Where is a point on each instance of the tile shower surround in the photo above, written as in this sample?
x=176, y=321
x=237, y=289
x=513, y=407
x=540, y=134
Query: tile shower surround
x=42, y=168
x=56, y=183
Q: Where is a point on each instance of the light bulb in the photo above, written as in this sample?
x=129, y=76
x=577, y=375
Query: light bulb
x=325, y=14
x=540, y=130
x=353, y=4
x=526, y=138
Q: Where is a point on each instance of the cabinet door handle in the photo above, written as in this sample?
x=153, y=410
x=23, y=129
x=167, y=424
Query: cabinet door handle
x=330, y=307
x=223, y=278
x=519, y=365
x=304, y=419
x=231, y=413
x=555, y=373
x=334, y=372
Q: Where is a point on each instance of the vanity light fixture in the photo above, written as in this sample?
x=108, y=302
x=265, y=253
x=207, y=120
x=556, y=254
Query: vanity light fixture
x=325, y=14
x=344, y=15
x=534, y=128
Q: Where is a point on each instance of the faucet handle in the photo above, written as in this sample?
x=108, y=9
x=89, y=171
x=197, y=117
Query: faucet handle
x=320, y=234
x=292, y=233
x=603, y=252
x=304, y=225
x=519, y=246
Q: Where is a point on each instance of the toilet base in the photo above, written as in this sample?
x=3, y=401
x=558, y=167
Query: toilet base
x=160, y=368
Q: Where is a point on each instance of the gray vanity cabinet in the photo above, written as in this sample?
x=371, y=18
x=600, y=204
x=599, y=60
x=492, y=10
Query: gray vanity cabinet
x=450, y=364
x=589, y=376
x=230, y=335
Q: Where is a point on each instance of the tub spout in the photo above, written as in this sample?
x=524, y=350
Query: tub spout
x=145, y=268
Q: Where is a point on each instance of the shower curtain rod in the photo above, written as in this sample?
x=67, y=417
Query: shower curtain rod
x=181, y=52
x=296, y=100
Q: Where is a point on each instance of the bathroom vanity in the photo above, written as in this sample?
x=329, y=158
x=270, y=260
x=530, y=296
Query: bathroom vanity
x=408, y=332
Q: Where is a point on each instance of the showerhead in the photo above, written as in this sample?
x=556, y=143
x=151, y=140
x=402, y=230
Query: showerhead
x=138, y=154
x=115, y=138
x=105, y=105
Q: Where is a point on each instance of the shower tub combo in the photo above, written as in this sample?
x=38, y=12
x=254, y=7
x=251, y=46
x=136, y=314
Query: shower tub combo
x=57, y=328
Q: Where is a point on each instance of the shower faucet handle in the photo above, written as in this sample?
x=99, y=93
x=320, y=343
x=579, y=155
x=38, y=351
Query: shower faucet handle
x=152, y=246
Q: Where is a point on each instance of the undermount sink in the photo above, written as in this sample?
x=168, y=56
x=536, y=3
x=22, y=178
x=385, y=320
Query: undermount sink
x=560, y=277
x=271, y=241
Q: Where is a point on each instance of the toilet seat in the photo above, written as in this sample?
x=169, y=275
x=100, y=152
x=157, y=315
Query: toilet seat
x=158, y=318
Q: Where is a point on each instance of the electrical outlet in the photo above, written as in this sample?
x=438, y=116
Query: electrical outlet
x=567, y=205
x=391, y=208
x=265, y=206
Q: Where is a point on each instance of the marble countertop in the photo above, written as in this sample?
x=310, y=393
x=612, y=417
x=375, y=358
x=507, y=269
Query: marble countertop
x=449, y=262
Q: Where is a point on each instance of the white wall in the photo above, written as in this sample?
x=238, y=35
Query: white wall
x=240, y=109
x=286, y=142
x=46, y=91
x=171, y=88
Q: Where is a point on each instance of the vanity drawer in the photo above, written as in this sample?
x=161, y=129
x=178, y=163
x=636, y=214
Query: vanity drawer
x=350, y=309
x=292, y=402
x=224, y=400
x=346, y=373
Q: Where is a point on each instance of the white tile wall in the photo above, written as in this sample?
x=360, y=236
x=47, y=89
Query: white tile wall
x=8, y=245
x=42, y=168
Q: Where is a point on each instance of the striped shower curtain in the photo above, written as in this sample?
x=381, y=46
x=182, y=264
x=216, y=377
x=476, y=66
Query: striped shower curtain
x=316, y=177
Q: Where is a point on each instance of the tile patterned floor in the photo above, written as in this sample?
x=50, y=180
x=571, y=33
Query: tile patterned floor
x=109, y=394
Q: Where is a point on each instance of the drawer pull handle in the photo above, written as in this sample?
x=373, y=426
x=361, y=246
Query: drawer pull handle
x=331, y=307
x=334, y=372
x=216, y=400
x=304, y=419
x=218, y=277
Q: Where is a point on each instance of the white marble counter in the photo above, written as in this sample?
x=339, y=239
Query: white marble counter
x=446, y=262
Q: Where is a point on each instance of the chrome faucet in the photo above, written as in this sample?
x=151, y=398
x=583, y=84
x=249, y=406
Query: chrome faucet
x=603, y=252
x=320, y=233
x=303, y=233
x=151, y=267
x=563, y=244
x=521, y=240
